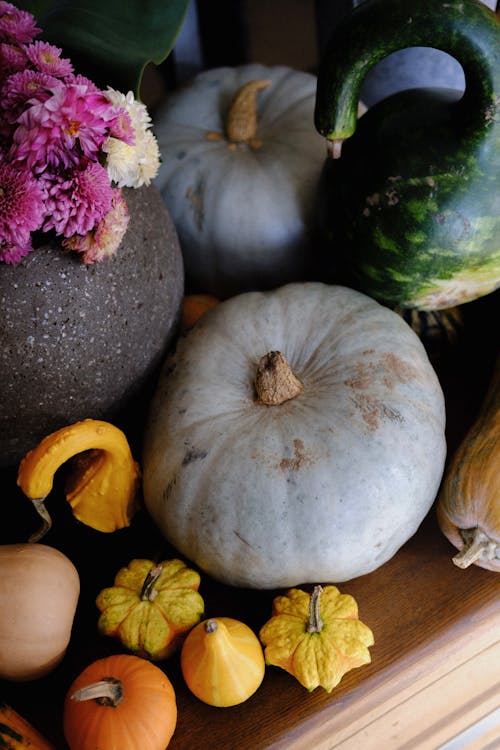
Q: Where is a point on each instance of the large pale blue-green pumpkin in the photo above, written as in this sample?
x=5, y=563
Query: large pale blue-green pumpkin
x=296, y=435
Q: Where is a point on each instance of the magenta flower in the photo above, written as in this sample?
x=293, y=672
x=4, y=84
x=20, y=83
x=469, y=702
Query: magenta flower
x=47, y=59
x=77, y=200
x=62, y=143
x=122, y=128
x=23, y=88
x=16, y=25
x=12, y=59
x=56, y=133
x=80, y=80
x=21, y=207
x=103, y=241
x=12, y=253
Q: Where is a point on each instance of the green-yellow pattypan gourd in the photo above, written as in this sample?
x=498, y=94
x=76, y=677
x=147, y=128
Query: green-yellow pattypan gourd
x=151, y=607
x=316, y=637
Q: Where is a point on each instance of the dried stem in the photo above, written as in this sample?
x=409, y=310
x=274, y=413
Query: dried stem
x=148, y=591
x=275, y=381
x=315, y=623
x=39, y=504
x=107, y=692
x=241, y=125
x=478, y=547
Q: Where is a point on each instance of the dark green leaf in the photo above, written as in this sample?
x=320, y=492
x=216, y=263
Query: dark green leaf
x=110, y=41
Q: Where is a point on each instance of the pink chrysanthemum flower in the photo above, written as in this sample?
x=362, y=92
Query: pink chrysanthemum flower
x=12, y=253
x=47, y=59
x=71, y=124
x=103, y=241
x=77, y=200
x=12, y=59
x=24, y=88
x=80, y=80
x=122, y=127
x=21, y=206
x=16, y=25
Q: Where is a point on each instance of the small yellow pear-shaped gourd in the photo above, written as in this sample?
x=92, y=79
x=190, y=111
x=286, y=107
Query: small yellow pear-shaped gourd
x=102, y=490
x=222, y=661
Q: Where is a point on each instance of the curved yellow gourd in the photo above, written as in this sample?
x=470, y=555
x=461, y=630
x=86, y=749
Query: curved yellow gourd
x=102, y=489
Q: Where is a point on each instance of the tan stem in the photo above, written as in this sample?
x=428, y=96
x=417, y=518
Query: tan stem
x=315, y=623
x=107, y=692
x=478, y=547
x=334, y=148
x=39, y=504
x=148, y=591
x=211, y=626
x=241, y=125
x=275, y=381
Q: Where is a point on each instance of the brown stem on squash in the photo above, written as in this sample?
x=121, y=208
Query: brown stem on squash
x=148, y=592
x=241, y=125
x=211, y=626
x=275, y=381
x=478, y=546
x=107, y=692
x=315, y=623
x=39, y=504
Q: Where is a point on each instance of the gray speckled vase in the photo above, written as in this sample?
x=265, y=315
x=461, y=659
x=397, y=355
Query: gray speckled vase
x=81, y=341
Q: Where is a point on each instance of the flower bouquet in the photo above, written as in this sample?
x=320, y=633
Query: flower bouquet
x=66, y=148
x=91, y=276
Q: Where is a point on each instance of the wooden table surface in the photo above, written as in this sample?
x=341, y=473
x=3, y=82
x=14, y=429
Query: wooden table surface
x=427, y=615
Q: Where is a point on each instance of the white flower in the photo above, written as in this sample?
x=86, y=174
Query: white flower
x=132, y=166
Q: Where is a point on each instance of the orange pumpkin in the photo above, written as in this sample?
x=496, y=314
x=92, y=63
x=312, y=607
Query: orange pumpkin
x=120, y=702
x=194, y=306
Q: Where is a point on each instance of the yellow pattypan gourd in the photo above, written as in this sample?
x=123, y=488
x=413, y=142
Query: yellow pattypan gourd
x=151, y=607
x=316, y=637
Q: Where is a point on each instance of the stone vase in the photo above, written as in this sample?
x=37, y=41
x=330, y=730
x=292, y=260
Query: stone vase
x=81, y=341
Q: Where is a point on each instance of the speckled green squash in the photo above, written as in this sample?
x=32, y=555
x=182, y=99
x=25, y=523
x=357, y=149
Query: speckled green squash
x=411, y=208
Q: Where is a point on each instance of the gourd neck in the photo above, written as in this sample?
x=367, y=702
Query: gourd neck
x=275, y=381
x=217, y=636
x=465, y=29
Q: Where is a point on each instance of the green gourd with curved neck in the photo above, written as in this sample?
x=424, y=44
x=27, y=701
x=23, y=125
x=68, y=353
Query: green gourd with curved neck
x=410, y=200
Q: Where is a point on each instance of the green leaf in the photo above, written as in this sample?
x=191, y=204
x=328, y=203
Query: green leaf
x=110, y=41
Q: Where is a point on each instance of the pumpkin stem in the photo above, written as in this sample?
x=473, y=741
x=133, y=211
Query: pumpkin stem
x=477, y=546
x=241, y=125
x=211, y=626
x=107, y=692
x=275, y=381
x=39, y=504
x=148, y=592
x=315, y=623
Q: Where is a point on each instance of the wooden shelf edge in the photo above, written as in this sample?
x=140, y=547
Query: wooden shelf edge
x=405, y=689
